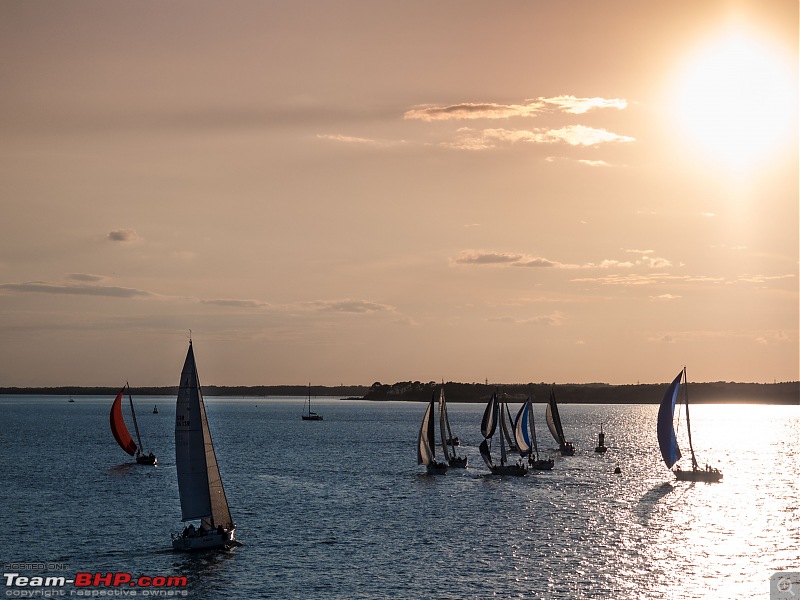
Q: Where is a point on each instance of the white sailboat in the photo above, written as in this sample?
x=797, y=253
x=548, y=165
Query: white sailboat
x=426, y=442
x=554, y=425
x=525, y=436
x=448, y=447
x=308, y=414
x=121, y=433
x=199, y=482
x=491, y=415
x=668, y=442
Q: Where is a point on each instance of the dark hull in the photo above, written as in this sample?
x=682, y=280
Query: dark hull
x=436, y=468
x=515, y=470
x=146, y=460
x=458, y=462
x=312, y=417
x=542, y=465
x=710, y=475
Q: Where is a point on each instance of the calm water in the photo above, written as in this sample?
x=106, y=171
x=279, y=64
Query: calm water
x=340, y=509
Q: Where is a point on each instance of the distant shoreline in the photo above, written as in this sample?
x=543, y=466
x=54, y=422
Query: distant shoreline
x=786, y=393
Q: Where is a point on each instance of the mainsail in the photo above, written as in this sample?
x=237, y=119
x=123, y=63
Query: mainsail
x=118, y=427
x=199, y=481
x=554, y=420
x=444, y=426
x=489, y=421
x=665, y=429
x=426, y=440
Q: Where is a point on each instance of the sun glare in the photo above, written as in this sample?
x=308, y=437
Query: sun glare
x=736, y=101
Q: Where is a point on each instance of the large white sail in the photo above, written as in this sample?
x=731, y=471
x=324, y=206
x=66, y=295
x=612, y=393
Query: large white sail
x=426, y=451
x=199, y=482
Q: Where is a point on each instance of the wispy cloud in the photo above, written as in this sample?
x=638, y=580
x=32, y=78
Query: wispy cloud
x=43, y=287
x=573, y=135
x=349, y=306
x=515, y=259
x=555, y=319
x=528, y=108
x=85, y=277
x=123, y=235
x=237, y=303
x=358, y=141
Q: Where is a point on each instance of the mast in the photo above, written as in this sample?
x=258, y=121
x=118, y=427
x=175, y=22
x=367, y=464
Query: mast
x=135, y=424
x=443, y=428
x=688, y=423
x=502, y=438
x=532, y=425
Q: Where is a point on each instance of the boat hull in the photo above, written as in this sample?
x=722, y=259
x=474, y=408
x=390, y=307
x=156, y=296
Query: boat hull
x=458, y=462
x=709, y=475
x=515, y=470
x=208, y=541
x=567, y=450
x=600, y=449
x=542, y=464
x=146, y=460
x=436, y=468
x=312, y=417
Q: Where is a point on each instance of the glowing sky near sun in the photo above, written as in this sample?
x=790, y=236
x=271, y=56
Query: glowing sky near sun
x=352, y=191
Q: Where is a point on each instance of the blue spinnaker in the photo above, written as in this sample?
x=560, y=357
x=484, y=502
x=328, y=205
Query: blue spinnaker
x=666, y=432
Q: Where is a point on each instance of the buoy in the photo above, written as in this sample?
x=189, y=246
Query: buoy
x=617, y=471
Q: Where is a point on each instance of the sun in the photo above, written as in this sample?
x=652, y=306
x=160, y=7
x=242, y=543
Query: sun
x=736, y=100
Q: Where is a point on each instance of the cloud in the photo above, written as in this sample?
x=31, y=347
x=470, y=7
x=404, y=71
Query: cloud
x=595, y=163
x=236, y=303
x=529, y=108
x=665, y=297
x=515, y=259
x=42, y=287
x=555, y=319
x=123, y=235
x=85, y=277
x=573, y=135
x=350, y=306
x=349, y=139
x=469, y=257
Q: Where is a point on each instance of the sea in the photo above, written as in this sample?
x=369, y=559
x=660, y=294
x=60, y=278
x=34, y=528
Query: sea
x=339, y=508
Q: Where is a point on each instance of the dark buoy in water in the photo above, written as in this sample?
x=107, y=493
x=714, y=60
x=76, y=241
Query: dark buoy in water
x=617, y=471
x=601, y=442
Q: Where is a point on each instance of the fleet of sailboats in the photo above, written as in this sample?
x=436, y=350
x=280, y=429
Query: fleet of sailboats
x=199, y=482
x=491, y=415
x=667, y=440
x=121, y=433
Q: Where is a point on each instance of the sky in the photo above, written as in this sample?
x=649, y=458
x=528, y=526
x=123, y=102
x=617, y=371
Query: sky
x=351, y=191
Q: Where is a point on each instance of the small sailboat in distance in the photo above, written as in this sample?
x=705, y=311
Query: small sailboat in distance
x=667, y=441
x=155, y=409
x=199, y=483
x=121, y=433
x=308, y=414
x=555, y=427
x=426, y=442
x=448, y=447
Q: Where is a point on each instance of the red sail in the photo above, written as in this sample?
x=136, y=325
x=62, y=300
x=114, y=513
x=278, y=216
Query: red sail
x=118, y=428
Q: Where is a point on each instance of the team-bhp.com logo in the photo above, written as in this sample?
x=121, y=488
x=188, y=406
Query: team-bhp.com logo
x=93, y=584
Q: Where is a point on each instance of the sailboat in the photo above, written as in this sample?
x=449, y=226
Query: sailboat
x=426, y=442
x=601, y=441
x=308, y=414
x=507, y=425
x=554, y=425
x=488, y=426
x=448, y=447
x=667, y=440
x=525, y=435
x=155, y=409
x=199, y=482
x=121, y=433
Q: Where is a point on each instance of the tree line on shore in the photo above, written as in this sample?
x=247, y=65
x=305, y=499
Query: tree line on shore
x=586, y=393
